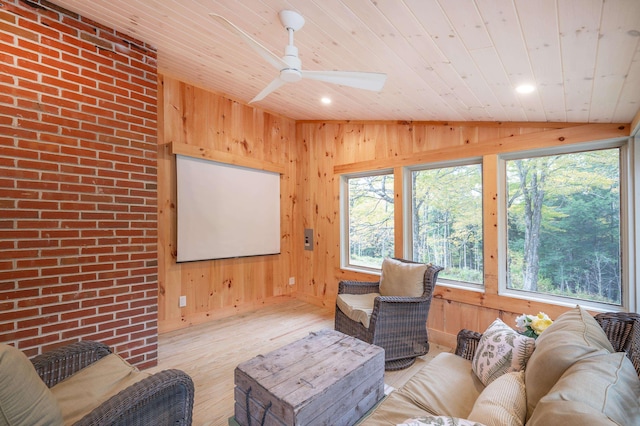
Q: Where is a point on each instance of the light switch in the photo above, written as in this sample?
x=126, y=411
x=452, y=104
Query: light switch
x=308, y=239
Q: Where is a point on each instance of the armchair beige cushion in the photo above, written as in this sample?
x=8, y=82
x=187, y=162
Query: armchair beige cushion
x=81, y=393
x=24, y=398
x=402, y=278
x=358, y=307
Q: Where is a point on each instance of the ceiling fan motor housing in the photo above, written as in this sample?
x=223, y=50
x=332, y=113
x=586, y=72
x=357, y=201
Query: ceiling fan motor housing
x=292, y=73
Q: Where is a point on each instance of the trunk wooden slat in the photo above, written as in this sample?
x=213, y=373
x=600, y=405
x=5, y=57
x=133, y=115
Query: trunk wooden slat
x=326, y=378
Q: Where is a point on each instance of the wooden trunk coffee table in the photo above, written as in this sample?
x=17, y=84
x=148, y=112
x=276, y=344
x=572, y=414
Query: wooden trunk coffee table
x=326, y=378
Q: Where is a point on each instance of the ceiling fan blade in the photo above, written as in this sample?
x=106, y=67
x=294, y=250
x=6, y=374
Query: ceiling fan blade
x=361, y=80
x=277, y=62
x=274, y=85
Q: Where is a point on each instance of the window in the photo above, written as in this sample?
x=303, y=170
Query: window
x=446, y=220
x=564, y=225
x=369, y=219
x=561, y=227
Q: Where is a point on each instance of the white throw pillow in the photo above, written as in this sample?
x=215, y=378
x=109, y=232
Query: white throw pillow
x=402, y=278
x=501, y=350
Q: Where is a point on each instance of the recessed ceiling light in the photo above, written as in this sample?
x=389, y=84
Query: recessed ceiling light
x=325, y=100
x=525, y=88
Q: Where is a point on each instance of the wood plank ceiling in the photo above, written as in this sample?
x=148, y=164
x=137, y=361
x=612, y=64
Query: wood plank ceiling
x=445, y=60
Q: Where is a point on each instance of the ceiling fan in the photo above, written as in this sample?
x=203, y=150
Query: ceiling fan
x=290, y=65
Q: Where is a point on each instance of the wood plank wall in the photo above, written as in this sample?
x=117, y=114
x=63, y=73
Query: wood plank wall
x=314, y=155
x=326, y=150
x=219, y=288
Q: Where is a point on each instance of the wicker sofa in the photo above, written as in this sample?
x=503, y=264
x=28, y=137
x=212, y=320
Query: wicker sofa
x=84, y=383
x=583, y=370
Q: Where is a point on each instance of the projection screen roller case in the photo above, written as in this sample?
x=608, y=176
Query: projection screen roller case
x=226, y=211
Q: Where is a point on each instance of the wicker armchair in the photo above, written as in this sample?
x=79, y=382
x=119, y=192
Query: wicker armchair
x=622, y=329
x=397, y=324
x=163, y=398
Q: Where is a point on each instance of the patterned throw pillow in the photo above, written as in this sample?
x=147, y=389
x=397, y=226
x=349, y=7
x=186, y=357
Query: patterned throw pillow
x=501, y=350
x=438, y=421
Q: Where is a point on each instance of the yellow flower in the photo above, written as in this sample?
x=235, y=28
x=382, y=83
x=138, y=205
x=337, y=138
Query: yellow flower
x=540, y=322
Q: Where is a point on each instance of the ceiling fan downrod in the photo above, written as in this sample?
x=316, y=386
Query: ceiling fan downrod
x=292, y=22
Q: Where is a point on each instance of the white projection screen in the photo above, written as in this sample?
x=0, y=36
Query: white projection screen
x=226, y=211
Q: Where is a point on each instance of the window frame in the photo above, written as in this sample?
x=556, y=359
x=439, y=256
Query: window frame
x=344, y=220
x=494, y=193
x=407, y=220
x=627, y=220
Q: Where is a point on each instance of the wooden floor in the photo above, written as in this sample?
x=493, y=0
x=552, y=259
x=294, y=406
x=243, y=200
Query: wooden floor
x=210, y=352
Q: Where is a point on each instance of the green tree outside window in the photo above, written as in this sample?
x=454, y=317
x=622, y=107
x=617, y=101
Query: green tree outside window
x=563, y=225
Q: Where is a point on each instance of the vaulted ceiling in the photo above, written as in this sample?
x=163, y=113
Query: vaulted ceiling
x=445, y=60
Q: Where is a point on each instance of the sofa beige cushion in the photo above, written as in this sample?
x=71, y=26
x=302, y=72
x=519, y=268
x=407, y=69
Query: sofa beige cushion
x=393, y=410
x=24, y=398
x=501, y=350
x=503, y=402
x=573, y=336
x=79, y=394
x=357, y=307
x=402, y=278
x=446, y=386
x=602, y=389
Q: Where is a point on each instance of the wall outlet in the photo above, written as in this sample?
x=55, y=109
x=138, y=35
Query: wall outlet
x=183, y=301
x=292, y=280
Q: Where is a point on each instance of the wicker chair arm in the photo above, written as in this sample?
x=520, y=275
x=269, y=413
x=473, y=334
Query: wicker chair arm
x=398, y=310
x=358, y=287
x=623, y=331
x=165, y=398
x=401, y=299
x=57, y=364
x=618, y=327
x=467, y=343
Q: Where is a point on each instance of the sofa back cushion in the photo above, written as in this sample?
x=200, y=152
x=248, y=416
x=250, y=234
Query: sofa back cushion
x=573, y=336
x=24, y=398
x=601, y=389
x=402, y=278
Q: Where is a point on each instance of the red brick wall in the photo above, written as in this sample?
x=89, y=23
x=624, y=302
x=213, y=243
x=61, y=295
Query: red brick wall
x=78, y=176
